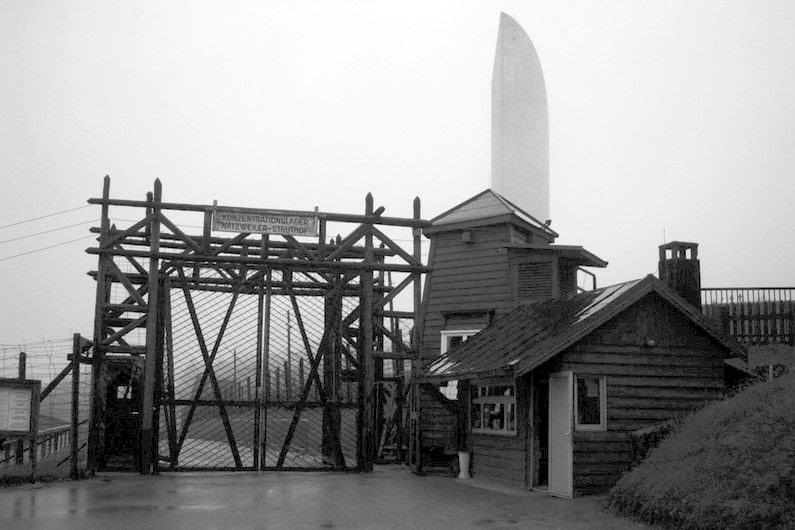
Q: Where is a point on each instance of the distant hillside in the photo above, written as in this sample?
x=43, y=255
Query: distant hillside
x=730, y=465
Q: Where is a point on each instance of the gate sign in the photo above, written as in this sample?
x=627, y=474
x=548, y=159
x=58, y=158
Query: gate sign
x=283, y=223
x=18, y=406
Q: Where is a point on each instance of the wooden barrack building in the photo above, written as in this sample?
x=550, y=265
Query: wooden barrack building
x=543, y=385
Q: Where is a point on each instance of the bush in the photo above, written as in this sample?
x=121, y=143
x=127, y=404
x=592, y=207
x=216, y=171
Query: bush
x=780, y=356
x=730, y=465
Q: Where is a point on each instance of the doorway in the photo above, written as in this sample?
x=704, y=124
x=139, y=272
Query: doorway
x=540, y=422
x=561, y=389
x=122, y=416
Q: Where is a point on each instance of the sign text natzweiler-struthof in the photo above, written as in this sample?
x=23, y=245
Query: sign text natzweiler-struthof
x=264, y=222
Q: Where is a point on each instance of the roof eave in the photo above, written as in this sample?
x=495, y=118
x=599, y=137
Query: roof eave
x=583, y=257
x=647, y=285
x=490, y=221
x=466, y=375
x=701, y=321
x=589, y=325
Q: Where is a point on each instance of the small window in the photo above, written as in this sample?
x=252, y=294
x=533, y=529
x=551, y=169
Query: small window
x=451, y=339
x=590, y=404
x=449, y=390
x=493, y=409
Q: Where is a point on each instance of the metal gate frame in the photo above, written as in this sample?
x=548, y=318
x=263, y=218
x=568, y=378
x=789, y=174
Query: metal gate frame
x=132, y=318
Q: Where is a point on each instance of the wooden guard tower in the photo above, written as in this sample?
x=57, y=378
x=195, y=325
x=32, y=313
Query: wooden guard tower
x=264, y=349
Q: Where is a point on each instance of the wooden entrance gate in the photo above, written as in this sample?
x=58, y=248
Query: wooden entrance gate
x=260, y=350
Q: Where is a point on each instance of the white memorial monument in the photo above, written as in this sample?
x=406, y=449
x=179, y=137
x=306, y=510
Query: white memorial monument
x=519, y=123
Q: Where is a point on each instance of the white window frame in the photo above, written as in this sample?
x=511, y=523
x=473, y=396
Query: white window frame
x=602, y=425
x=501, y=399
x=448, y=334
x=450, y=390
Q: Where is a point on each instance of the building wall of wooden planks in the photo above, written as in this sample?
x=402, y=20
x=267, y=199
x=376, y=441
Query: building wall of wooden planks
x=439, y=421
x=503, y=458
x=478, y=275
x=467, y=277
x=475, y=280
x=658, y=366
x=533, y=277
x=568, y=279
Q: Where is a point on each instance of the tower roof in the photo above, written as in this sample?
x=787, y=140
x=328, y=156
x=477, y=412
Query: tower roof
x=487, y=207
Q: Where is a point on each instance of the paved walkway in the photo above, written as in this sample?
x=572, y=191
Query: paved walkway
x=390, y=497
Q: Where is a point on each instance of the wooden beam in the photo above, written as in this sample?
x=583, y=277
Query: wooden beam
x=415, y=434
x=396, y=340
x=179, y=259
x=367, y=442
x=77, y=347
x=302, y=249
x=395, y=247
x=52, y=384
x=126, y=329
x=253, y=403
x=396, y=314
x=132, y=261
x=170, y=382
x=125, y=281
x=119, y=236
x=393, y=292
x=82, y=359
x=233, y=245
x=335, y=217
x=148, y=448
x=123, y=308
x=180, y=234
x=96, y=438
x=393, y=355
x=262, y=447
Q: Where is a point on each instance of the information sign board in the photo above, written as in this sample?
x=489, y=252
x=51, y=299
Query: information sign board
x=19, y=406
x=276, y=222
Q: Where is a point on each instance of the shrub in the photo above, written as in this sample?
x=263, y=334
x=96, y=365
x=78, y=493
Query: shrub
x=729, y=465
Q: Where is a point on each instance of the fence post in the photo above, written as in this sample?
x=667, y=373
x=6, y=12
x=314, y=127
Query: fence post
x=76, y=352
x=19, y=457
x=148, y=450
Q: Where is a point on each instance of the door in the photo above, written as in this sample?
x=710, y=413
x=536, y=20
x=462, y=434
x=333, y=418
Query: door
x=122, y=416
x=561, y=391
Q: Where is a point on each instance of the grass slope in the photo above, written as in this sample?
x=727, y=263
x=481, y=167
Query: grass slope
x=729, y=465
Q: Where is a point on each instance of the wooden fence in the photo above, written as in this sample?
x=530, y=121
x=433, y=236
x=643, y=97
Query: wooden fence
x=753, y=315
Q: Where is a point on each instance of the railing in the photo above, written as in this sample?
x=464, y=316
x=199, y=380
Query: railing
x=753, y=315
x=49, y=443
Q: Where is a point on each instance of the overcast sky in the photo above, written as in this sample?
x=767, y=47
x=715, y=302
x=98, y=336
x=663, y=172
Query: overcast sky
x=667, y=119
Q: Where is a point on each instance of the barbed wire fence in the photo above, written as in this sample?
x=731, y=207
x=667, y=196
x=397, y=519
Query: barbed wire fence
x=47, y=361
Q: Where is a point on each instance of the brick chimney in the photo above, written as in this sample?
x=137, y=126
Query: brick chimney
x=680, y=270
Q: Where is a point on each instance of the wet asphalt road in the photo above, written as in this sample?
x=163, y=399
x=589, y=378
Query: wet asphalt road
x=390, y=497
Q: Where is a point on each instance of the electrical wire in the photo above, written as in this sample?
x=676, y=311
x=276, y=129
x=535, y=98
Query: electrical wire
x=45, y=216
x=46, y=248
x=48, y=231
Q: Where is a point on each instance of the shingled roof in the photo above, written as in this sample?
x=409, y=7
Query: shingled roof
x=486, y=206
x=532, y=334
